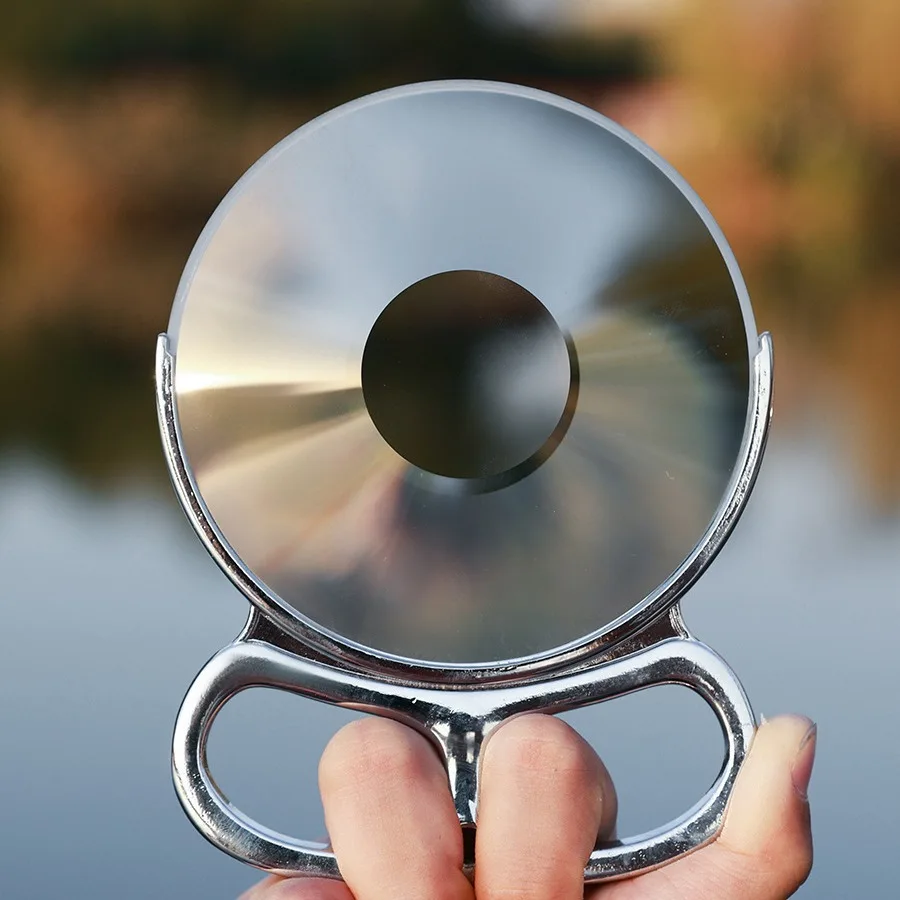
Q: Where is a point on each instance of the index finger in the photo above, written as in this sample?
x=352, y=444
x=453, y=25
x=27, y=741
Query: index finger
x=545, y=799
x=390, y=816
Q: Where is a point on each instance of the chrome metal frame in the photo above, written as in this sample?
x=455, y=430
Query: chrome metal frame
x=459, y=722
x=458, y=708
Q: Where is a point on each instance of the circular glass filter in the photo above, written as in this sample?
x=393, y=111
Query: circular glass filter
x=461, y=372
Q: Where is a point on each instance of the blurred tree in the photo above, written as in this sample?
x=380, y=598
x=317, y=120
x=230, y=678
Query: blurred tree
x=799, y=159
x=122, y=124
x=802, y=100
x=284, y=46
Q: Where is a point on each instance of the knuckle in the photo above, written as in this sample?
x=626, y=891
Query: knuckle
x=538, y=880
x=370, y=749
x=524, y=892
x=542, y=746
x=776, y=873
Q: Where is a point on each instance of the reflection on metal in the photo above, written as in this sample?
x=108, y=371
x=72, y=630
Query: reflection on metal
x=459, y=722
x=381, y=582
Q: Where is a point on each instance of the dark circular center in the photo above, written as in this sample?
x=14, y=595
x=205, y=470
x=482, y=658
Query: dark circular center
x=467, y=375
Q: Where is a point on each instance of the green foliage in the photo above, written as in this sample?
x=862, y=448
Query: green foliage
x=281, y=46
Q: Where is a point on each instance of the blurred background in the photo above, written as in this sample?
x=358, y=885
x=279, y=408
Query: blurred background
x=122, y=124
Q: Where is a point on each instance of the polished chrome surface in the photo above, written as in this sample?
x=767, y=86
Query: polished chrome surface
x=396, y=669
x=371, y=546
x=459, y=722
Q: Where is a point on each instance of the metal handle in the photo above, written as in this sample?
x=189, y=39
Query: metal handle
x=459, y=721
x=226, y=674
x=691, y=664
x=252, y=663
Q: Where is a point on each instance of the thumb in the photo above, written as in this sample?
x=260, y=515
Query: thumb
x=764, y=851
x=769, y=814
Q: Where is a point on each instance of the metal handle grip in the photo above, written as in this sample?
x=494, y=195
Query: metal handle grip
x=252, y=663
x=691, y=664
x=230, y=671
x=454, y=719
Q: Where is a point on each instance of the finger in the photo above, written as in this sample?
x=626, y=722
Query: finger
x=390, y=816
x=545, y=796
x=275, y=888
x=765, y=849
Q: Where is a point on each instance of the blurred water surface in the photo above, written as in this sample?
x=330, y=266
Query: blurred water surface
x=112, y=606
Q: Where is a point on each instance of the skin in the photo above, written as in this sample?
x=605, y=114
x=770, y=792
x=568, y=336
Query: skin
x=545, y=795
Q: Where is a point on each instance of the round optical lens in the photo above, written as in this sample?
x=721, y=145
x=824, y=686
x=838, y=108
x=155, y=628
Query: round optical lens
x=462, y=372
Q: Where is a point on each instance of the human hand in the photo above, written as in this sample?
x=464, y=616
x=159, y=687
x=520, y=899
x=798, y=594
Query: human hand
x=545, y=795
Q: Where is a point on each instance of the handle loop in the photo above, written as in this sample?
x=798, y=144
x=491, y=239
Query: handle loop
x=439, y=714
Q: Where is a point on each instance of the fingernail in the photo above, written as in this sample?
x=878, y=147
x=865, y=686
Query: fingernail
x=801, y=771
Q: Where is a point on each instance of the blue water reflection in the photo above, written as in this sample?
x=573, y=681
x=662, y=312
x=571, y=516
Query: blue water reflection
x=111, y=607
